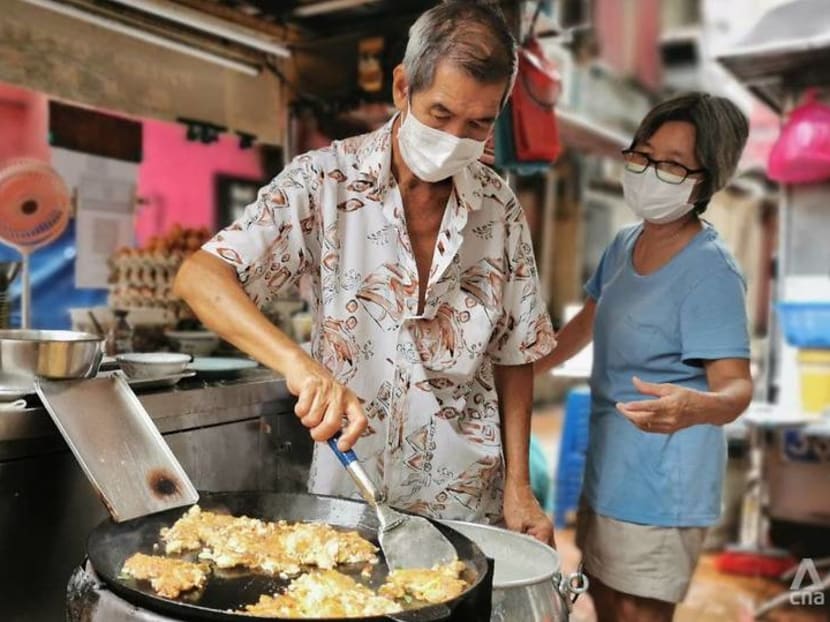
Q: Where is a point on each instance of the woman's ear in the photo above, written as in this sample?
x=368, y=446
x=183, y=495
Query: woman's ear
x=697, y=190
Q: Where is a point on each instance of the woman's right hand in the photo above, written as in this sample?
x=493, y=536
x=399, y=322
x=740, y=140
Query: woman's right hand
x=322, y=402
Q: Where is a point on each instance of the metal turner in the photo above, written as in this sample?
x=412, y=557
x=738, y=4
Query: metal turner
x=407, y=541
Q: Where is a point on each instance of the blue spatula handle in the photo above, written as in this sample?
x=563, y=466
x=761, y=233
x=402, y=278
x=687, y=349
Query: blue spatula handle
x=345, y=457
x=349, y=460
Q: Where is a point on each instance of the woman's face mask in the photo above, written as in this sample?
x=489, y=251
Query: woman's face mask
x=654, y=200
x=433, y=155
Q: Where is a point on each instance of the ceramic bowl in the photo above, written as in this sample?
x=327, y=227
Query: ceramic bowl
x=193, y=342
x=153, y=364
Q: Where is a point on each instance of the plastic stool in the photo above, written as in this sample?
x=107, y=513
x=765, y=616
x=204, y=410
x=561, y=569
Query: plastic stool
x=574, y=444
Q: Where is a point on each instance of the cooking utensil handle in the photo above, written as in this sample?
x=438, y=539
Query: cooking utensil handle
x=571, y=586
x=346, y=457
x=350, y=461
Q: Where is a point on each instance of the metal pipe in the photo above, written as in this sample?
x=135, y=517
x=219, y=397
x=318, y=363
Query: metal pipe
x=147, y=37
x=775, y=341
x=209, y=24
x=327, y=6
x=25, y=293
x=548, y=232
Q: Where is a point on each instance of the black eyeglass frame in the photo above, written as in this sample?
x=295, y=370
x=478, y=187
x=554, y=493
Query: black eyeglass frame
x=653, y=163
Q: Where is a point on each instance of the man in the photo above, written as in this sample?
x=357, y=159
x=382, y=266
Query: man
x=427, y=313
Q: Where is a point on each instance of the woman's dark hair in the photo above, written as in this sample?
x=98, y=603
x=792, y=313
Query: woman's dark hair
x=721, y=130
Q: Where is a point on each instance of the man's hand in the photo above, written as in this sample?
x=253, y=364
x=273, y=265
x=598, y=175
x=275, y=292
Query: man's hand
x=673, y=410
x=523, y=513
x=322, y=402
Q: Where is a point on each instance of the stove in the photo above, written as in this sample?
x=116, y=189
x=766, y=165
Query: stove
x=89, y=600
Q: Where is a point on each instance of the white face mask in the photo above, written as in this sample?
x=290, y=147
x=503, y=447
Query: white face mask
x=655, y=200
x=433, y=155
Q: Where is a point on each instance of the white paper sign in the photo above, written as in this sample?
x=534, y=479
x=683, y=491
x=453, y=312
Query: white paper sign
x=105, y=191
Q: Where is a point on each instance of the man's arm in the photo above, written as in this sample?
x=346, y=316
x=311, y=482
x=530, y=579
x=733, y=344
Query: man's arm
x=514, y=386
x=212, y=290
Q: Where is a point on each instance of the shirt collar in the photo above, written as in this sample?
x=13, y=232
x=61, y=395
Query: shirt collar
x=374, y=161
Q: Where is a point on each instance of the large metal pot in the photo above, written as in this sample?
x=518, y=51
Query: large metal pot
x=56, y=354
x=528, y=584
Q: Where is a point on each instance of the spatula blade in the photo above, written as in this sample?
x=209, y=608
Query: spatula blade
x=413, y=542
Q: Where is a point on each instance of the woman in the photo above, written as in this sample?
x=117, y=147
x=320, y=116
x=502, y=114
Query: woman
x=665, y=310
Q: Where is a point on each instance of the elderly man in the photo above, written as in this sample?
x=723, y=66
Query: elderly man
x=427, y=312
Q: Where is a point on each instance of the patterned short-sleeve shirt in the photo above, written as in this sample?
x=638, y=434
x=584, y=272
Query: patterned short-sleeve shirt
x=433, y=444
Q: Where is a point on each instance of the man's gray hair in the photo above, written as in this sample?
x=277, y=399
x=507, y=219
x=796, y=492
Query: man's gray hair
x=472, y=35
x=721, y=130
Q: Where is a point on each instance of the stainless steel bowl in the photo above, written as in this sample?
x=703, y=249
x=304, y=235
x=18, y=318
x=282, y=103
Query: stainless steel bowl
x=57, y=354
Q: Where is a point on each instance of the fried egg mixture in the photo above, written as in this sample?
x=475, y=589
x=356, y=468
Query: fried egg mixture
x=289, y=550
x=168, y=577
x=323, y=594
x=435, y=585
x=276, y=548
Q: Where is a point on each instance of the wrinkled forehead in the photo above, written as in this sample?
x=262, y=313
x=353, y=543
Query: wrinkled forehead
x=455, y=90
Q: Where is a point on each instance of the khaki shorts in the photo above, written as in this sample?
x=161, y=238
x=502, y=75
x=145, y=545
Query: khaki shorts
x=641, y=560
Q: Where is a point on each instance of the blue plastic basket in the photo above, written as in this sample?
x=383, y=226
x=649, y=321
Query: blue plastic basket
x=805, y=324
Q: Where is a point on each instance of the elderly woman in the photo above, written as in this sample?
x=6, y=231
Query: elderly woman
x=665, y=310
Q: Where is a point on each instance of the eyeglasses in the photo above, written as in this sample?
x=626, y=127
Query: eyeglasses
x=666, y=170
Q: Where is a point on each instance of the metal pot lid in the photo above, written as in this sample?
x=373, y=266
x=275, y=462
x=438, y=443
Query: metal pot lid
x=521, y=560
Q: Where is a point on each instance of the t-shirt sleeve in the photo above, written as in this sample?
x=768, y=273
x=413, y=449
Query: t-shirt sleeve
x=275, y=240
x=523, y=332
x=713, y=321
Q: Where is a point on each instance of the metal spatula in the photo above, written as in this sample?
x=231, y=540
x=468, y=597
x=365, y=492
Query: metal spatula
x=407, y=541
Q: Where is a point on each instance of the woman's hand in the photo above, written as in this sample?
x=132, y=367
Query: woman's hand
x=674, y=409
x=730, y=391
x=322, y=402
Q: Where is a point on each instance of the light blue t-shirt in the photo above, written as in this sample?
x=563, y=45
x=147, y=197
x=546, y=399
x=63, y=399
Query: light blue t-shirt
x=660, y=328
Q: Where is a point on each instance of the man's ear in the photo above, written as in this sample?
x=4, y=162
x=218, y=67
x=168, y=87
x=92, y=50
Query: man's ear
x=400, y=88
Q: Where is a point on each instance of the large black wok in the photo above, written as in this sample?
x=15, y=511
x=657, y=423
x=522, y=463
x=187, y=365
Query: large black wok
x=110, y=544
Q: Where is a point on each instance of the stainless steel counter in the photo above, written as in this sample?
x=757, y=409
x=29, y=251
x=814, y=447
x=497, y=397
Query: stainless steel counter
x=229, y=435
x=191, y=403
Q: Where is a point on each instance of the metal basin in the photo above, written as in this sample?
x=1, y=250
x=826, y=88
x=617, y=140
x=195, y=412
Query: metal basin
x=56, y=354
x=527, y=582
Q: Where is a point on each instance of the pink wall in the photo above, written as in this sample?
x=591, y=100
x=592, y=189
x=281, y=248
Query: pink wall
x=176, y=177
x=24, y=124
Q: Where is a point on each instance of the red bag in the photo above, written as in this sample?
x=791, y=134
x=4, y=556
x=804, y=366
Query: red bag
x=537, y=88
